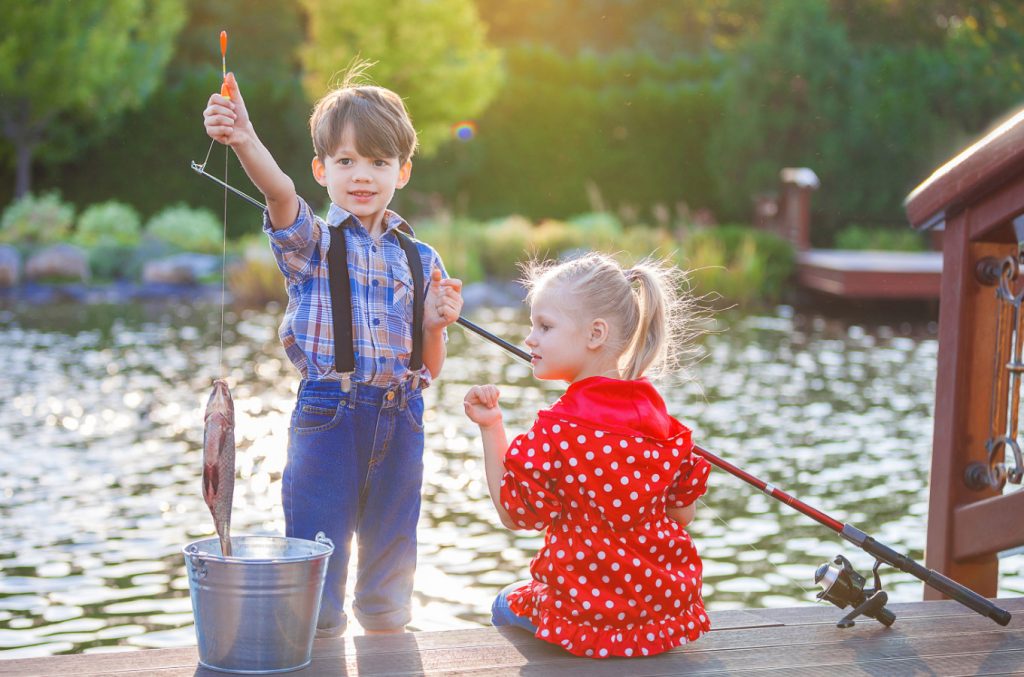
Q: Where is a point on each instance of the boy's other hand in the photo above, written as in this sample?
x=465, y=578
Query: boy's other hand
x=443, y=303
x=227, y=120
x=481, y=405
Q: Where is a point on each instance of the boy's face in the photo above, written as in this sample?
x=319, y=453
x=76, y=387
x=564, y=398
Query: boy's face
x=360, y=185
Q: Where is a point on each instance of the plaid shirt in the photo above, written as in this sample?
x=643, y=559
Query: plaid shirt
x=382, y=294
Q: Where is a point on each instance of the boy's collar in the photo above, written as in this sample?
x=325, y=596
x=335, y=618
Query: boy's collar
x=337, y=216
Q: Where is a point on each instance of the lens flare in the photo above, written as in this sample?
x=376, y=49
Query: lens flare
x=464, y=131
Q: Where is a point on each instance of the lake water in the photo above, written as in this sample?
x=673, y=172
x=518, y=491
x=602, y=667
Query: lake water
x=101, y=432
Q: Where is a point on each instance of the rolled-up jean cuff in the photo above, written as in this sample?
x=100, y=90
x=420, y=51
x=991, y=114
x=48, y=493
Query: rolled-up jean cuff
x=398, y=618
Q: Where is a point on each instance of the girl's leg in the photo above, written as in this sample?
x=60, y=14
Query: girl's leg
x=501, y=614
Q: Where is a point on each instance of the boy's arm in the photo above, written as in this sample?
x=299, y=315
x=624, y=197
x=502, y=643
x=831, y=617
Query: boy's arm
x=227, y=121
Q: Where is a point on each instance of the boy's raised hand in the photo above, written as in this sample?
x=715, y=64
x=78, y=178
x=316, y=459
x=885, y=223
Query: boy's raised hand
x=443, y=303
x=226, y=119
x=481, y=405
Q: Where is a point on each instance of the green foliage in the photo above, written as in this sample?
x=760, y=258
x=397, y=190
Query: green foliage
x=187, y=229
x=108, y=223
x=256, y=280
x=901, y=239
x=630, y=124
x=32, y=220
x=433, y=54
x=740, y=263
x=458, y=242
x=68, y=70
x=504, y=243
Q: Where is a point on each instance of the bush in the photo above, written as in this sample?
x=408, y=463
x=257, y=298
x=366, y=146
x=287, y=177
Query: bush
x=551, y=239
x=187, y=229
x=458, y=243
x=902, y=239
x=256, y=280
x=740, y=263
x=505, y=243
x=108, y=224
x=31, y=220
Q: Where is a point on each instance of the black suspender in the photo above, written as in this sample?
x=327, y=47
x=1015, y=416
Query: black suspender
x=341, y=303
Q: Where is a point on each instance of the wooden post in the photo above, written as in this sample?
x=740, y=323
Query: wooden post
x=974, y=198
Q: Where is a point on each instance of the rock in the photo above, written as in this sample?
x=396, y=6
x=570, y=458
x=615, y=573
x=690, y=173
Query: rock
x=10, y=266
x=180, y=269
x=60, y=261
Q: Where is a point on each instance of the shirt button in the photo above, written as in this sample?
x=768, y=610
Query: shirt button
x=376, y=321
x=382, y=359
x=375, y=283
x=373, y=247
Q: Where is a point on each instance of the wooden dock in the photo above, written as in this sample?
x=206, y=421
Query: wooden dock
x=937, y=638
x=871, y=274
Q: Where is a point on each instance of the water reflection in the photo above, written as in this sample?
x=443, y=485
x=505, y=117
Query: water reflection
x=101, y=423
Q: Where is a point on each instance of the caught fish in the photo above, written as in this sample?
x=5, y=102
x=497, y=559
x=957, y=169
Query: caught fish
x=219, y=461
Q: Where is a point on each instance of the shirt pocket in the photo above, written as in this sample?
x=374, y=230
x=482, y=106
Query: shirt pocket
x=402, y=298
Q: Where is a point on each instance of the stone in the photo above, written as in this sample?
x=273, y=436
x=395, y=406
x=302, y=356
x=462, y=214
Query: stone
x=180, y=269
x=10, y=266
x=59, y=261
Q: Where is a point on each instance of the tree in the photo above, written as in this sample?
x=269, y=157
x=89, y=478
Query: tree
x=82, y=63
x=433, y=54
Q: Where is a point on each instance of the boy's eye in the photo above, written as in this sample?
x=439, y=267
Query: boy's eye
x=344, y=161
x=380, y=163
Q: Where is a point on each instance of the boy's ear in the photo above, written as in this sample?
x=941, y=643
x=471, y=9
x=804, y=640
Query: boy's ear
x=319, y=171
x=598, y=333
x=404, y=173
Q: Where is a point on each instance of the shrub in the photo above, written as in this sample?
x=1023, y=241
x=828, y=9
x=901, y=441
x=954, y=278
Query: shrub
x=108, y=224
x=256, y=280
x=505, y=243
x=458, y=242
x=44, y=219
x=187, y=229
x=740, y=263
x=902, y=239
x=551, y=239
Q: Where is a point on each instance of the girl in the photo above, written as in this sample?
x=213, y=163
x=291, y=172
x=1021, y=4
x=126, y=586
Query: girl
x=605, y=470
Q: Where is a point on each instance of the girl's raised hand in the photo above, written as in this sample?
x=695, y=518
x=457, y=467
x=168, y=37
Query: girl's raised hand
x=481, y=405
x=226, y=119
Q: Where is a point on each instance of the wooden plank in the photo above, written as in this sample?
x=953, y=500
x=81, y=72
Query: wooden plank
x=935, y=635
x=988, y=526
x=968, y=176
x=991, y=219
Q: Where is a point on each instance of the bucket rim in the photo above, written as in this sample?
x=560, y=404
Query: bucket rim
x=193, y=549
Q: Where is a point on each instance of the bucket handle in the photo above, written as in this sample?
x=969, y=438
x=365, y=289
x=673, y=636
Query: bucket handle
x=322, y=539
x=199, y=569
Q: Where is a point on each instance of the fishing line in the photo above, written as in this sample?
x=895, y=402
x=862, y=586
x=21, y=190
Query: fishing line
x=224, y=263
x=762, y=553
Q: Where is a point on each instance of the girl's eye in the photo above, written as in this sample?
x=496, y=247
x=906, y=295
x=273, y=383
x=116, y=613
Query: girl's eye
x=545, y=327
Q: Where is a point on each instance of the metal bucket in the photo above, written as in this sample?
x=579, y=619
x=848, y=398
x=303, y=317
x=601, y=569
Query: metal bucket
x=256, y=611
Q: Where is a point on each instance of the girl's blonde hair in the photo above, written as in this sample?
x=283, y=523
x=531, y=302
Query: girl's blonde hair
x=651, y=312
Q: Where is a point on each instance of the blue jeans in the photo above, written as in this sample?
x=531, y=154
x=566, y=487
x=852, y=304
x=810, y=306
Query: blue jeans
x=355, y=466
x=502, y=615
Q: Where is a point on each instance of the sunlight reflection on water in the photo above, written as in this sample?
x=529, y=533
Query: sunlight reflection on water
x=101, y=423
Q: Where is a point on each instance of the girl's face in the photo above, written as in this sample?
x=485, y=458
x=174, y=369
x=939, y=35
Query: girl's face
x=558, y=340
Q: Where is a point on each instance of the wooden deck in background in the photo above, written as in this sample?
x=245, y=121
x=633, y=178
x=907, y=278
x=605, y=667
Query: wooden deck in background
x=870, y=274
x=928, y=638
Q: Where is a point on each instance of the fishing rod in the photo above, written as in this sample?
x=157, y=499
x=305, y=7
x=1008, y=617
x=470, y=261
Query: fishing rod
x=841, y=584
x=475, y=328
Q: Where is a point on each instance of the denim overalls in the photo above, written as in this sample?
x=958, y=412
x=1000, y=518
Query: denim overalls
x=355, y=466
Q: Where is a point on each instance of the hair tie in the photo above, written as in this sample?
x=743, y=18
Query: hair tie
x=632, y=275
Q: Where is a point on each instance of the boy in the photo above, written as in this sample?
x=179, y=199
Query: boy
x=355, y=451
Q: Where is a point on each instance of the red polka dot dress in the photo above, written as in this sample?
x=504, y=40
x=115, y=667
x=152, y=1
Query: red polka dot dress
x=616, y=576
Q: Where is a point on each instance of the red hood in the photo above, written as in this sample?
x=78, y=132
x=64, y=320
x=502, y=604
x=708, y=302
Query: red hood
x=626, y=407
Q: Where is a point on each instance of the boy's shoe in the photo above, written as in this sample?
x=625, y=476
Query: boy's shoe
x=325, y=633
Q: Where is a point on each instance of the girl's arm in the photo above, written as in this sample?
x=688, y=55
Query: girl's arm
x=481, y=405
x=683, y=515
x=227, y=121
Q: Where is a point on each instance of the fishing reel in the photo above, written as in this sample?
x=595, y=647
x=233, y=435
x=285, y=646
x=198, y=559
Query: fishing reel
x=844, y=587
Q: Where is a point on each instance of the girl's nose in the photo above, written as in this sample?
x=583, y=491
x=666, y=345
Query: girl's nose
x=530, y=341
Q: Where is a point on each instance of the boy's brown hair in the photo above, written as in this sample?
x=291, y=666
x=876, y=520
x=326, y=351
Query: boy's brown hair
x=379, y=119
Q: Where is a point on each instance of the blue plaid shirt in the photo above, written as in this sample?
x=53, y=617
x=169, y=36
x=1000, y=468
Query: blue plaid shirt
x=382, y=295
